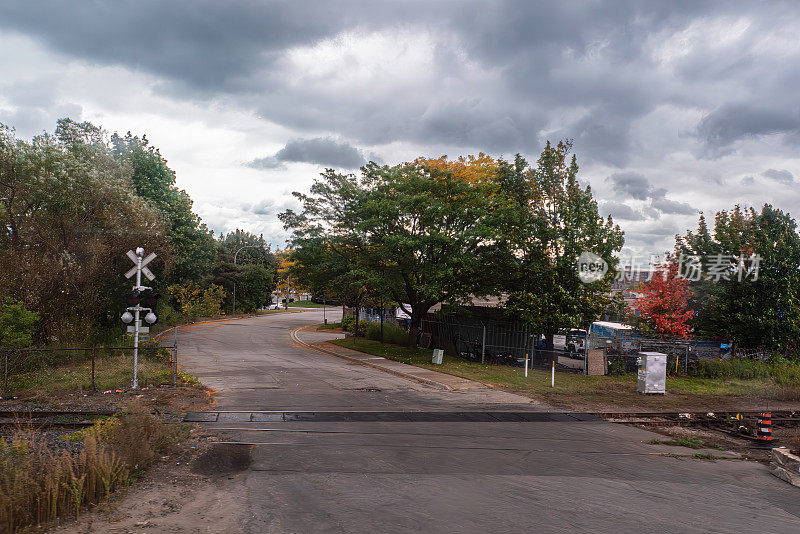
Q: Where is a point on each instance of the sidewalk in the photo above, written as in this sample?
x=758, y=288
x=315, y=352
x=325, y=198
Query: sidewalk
x=426, y=376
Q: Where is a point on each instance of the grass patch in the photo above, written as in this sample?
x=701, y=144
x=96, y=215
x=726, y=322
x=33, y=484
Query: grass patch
x=573, y=389
x=330, y=326
x=111, y=372
x=691, y=442
x=40, y=482
x=780, y=370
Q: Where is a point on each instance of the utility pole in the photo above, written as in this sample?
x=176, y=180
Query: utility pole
x=235, y=273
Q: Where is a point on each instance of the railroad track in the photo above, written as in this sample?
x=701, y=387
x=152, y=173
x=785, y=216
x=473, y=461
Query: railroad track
x=779, y=418
x=51, y=418
x=727, y=420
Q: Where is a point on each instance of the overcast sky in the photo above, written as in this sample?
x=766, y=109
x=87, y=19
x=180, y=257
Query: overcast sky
x=674, y=107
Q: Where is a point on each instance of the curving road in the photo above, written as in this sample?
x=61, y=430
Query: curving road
x=340, y=447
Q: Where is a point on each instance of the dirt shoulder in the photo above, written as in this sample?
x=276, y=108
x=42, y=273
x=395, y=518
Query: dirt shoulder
x=159, y=398
x=195, y=489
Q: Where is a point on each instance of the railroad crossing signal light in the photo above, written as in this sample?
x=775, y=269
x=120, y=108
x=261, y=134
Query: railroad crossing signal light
x=150, y=298
x=151, y=318
x=134, y=298
x=127, y=317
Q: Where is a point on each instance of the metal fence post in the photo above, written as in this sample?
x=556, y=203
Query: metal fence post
x=175, y=359
x=483, y=346
x=533, y=349
x=586, y=351
x=94, y=386
x=686, y=360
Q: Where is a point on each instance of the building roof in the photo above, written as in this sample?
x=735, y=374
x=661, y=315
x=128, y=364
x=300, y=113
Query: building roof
x=615, y=326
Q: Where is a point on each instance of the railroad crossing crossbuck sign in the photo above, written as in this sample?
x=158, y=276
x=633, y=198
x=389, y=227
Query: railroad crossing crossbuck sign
x=139, y=295
x=135, y=259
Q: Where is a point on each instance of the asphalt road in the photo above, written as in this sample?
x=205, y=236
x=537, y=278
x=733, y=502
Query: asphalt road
x=339, y=447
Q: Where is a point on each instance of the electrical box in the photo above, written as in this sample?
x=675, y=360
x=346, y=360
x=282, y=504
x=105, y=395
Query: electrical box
x=437, y=356
x=652, y=372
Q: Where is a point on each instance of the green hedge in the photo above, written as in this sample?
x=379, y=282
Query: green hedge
x=391, y=333
x=780, y=370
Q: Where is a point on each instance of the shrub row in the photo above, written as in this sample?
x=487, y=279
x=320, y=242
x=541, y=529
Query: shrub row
x=41, y=481
x=780, y=370
x=372, y=330
x=391, y=333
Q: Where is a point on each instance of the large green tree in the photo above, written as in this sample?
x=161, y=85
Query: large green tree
x=413, y=232
x=192, y=243
x=550, y=222
x=253, y=272
x=734, y=302
x=68, y=214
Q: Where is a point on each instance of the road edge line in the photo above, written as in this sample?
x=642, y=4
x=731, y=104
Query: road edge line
x=426, y=381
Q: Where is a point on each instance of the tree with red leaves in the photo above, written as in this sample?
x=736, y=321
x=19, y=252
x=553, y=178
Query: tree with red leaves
x=664, y=303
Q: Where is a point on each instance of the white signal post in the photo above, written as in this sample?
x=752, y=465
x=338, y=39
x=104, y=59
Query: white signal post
x=139, y=269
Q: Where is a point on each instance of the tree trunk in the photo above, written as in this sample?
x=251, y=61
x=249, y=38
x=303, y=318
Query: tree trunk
x=548, y=341
x=355, y=330
x=414, y=330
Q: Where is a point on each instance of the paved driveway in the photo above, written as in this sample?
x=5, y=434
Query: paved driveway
x=340, y=447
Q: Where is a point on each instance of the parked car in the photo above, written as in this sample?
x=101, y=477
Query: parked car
x=572, y=341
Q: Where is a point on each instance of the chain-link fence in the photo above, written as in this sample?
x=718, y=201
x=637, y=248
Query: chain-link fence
x=622, y=351
x=511, y=342
x=86, y=368
x=496, y=342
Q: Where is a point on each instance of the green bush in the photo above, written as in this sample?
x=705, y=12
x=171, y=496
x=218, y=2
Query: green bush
x=193, y=301
x=780, y=370
x=17, y=324
x=348, y=321
x=349, y=324
x=391, y=333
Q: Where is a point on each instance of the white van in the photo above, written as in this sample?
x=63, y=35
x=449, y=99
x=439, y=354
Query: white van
x=572, y=341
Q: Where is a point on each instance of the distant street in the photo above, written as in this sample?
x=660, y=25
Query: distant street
x=449, y=461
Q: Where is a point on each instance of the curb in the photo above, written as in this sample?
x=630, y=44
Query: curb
x=426, y=381
x=785, y=466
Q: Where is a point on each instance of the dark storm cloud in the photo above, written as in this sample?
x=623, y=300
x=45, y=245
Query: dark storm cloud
x=631, y=184
x=637, y=186
x=780, y=176
x=543, y=55
x=620, y=211
x=656, y=87
x=667, y=206
x=320, y=151
x=734, y=122
x=203, y=43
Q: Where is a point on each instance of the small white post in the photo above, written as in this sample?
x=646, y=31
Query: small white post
x=553, y=375
x=526, y=365
x=483, y=346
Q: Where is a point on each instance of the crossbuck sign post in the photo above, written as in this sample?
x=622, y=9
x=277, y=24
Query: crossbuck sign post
x=139, y=269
